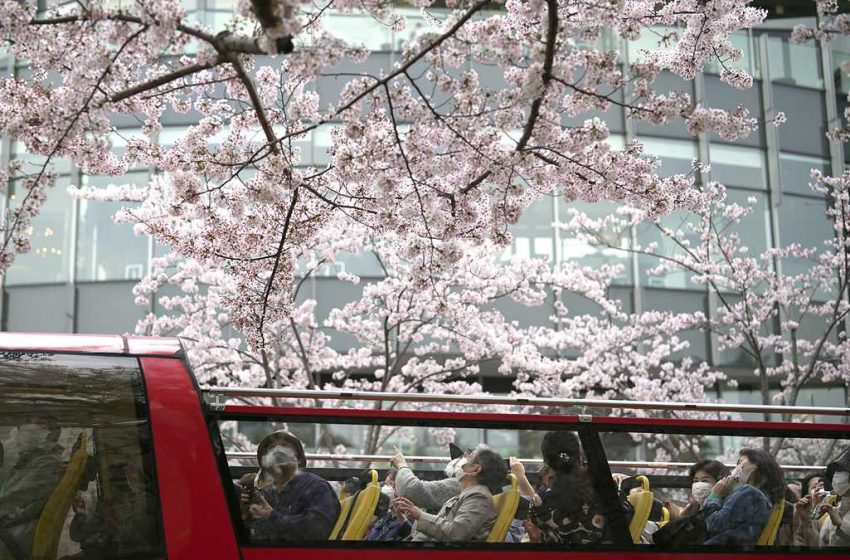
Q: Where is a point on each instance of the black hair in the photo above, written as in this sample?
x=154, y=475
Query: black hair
x=807, y=480
x=493, y=469
x=561, y=451
x=768, y=476
x=714, y=469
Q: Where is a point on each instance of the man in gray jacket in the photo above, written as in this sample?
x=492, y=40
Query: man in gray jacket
x=468, y=516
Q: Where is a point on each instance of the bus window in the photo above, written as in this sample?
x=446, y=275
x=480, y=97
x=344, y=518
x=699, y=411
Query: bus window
x=726, y=489
x=76, y=474
x=298, y=482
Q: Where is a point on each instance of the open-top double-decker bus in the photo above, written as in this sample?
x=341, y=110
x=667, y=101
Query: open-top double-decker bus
x=111, y=450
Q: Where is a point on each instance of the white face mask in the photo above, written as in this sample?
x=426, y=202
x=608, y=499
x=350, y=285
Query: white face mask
x=742, y=473
x=841, y=483
x=454, y=466
x=280, y=455
x=388, y=490
x=701, y=490
x=460, y=473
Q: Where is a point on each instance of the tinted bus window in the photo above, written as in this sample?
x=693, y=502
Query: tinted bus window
x=308, y=482
x=76, y=463
x=743, y=491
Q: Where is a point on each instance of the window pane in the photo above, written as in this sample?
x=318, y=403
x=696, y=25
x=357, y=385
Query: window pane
x=794, y=64
x=76, y=442
x=796, y=172
x=803, y=221
x=679, y=471
x=533, y=234
x=676, y=155
x=50, y=237
x=106, y=250
x=738, y=166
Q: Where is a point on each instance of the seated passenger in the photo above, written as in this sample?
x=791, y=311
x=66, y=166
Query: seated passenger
x=426, y=494
x=468, y=516
x=568, y=512
x=704, y=475
x=29, y=484
x=811, y=483
x=835, y=530
x=291, y=504
x=392, y=525
x=739, y=505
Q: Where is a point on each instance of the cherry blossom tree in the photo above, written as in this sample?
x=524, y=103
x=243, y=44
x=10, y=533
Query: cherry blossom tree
x=421, y=150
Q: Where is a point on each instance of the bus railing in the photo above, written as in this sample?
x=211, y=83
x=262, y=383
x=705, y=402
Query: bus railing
x=423, y=459
x=219, y=395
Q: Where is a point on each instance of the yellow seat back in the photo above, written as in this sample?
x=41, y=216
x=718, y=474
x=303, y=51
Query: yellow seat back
x=665, y=517
x=344, y=511
x=768, y=534
x=506, y=504
x=363, y=509
x=48, y=530
x=642, y=502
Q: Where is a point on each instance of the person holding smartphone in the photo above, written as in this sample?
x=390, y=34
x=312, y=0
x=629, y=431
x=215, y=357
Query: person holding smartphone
x=835, y=530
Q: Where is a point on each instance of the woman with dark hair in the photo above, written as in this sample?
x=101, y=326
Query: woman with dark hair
x=739, y=505
x=468, y=516
x=704, y=475
x=568, y=511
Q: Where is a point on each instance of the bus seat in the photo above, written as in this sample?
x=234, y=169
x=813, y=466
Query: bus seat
x=831, y=501
x=665, y=517
x=344, y=512
x=768, y=534
x=506, y=504
x=365, y=502
x=642, y=502
x=48, y=530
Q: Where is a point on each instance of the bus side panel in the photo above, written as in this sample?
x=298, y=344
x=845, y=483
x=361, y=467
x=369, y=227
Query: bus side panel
x=194, y=510
x=515, y=554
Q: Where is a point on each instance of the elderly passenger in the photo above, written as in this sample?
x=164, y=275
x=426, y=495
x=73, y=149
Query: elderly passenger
x=470, y=515
x=835, y=530
x=290, y=504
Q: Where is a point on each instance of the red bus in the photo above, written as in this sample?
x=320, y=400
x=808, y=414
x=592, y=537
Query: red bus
x=109, y=449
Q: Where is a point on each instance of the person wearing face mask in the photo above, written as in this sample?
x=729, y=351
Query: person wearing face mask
x=704, y=475
x=470, y=515
x=290, y=504
x=739, y=505
x=835, y=530
x=29, y=484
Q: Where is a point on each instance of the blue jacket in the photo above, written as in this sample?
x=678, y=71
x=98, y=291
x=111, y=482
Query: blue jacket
x=305, y=509
x=388, y=528
x=738, y=519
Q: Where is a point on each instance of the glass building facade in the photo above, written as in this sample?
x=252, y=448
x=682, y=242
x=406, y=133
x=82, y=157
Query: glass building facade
x=82, y=268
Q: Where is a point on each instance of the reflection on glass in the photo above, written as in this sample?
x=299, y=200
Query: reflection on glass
x=795, y=64
x=106, y=250
x=738, y=165
x=75, y=443
x=48, y=260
